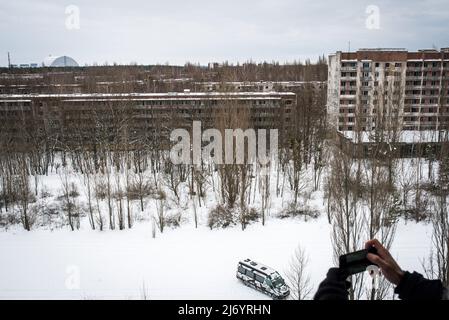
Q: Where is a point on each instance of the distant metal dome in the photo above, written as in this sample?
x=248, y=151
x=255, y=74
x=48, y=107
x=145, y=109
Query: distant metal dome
x=60, y=61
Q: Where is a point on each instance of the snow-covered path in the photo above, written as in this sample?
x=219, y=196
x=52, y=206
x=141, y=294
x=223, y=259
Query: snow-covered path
x=185, y=263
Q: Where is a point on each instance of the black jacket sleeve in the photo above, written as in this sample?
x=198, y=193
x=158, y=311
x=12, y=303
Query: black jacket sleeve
x=334, y=287
x=414, y=286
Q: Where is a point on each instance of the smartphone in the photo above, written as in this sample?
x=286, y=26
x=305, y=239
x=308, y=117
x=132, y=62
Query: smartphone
x=356, y=262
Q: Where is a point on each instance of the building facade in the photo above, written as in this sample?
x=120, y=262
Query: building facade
x=63, y=120
x=390, y=89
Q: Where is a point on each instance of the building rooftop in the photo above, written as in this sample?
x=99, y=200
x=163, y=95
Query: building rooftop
x=258, y=266
x=59, y=61
x=393, y=54
x=382, y=49
x=147, y=95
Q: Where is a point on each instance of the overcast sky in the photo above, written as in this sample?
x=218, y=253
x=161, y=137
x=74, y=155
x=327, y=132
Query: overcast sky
x=177, y=31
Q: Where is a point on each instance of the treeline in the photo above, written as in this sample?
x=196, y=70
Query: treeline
x=158, y=78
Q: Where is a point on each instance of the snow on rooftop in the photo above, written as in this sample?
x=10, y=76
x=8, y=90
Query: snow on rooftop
x=257, y=82
x=406, y=136
x=149, y=95
x=171, y=99
x=258, y=266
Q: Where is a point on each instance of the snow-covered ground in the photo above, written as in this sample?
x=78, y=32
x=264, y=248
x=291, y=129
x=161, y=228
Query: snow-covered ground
x=184, y=263
x=181, y=263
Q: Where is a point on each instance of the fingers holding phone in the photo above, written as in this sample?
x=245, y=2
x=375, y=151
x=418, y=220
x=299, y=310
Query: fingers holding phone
x=390, y=268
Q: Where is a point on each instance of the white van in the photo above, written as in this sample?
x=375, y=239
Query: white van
x=262, y=278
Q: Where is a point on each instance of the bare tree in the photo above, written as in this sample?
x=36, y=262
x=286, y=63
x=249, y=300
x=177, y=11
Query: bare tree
x=119, y=195
x=98, y=195
x=195, y=212
x=437, y=265
x=265, y=192
x=87, y=178
x=295, y=168
x=346, y=219
x=160, y=212
x=24, y=192
x=69, y=205
x=173, y=176
x=140, y=187
x=299, y=280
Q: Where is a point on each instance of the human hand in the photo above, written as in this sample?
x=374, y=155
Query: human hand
x=390, y=269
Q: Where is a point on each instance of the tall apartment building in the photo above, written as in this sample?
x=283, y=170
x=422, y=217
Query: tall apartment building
x=83, y=119
x=388, y=87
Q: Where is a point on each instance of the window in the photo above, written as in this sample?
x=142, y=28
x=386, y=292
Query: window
x=259, y=278
x=241, y=269
x=268, y=282
x=250, y=274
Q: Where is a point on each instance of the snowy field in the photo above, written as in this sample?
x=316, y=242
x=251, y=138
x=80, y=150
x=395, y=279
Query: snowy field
x=184, y=263
x=180, y=263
